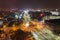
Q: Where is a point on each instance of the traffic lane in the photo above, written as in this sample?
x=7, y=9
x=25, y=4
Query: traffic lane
x=54, y=24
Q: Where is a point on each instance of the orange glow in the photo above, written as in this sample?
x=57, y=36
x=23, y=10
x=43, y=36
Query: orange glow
x=14, y=28
x=32, y=26
x=37, y=25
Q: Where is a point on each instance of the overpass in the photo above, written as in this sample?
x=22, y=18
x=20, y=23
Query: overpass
x=51, y=17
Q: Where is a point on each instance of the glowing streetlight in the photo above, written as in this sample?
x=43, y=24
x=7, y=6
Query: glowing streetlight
x=16, y=16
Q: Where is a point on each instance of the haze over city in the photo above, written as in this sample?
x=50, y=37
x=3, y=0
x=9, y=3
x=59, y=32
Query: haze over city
x=30, y=3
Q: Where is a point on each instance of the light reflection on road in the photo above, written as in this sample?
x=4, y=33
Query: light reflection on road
x=37, y=29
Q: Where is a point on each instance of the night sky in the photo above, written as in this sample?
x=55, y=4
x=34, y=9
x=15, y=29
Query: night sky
x=30, y=3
